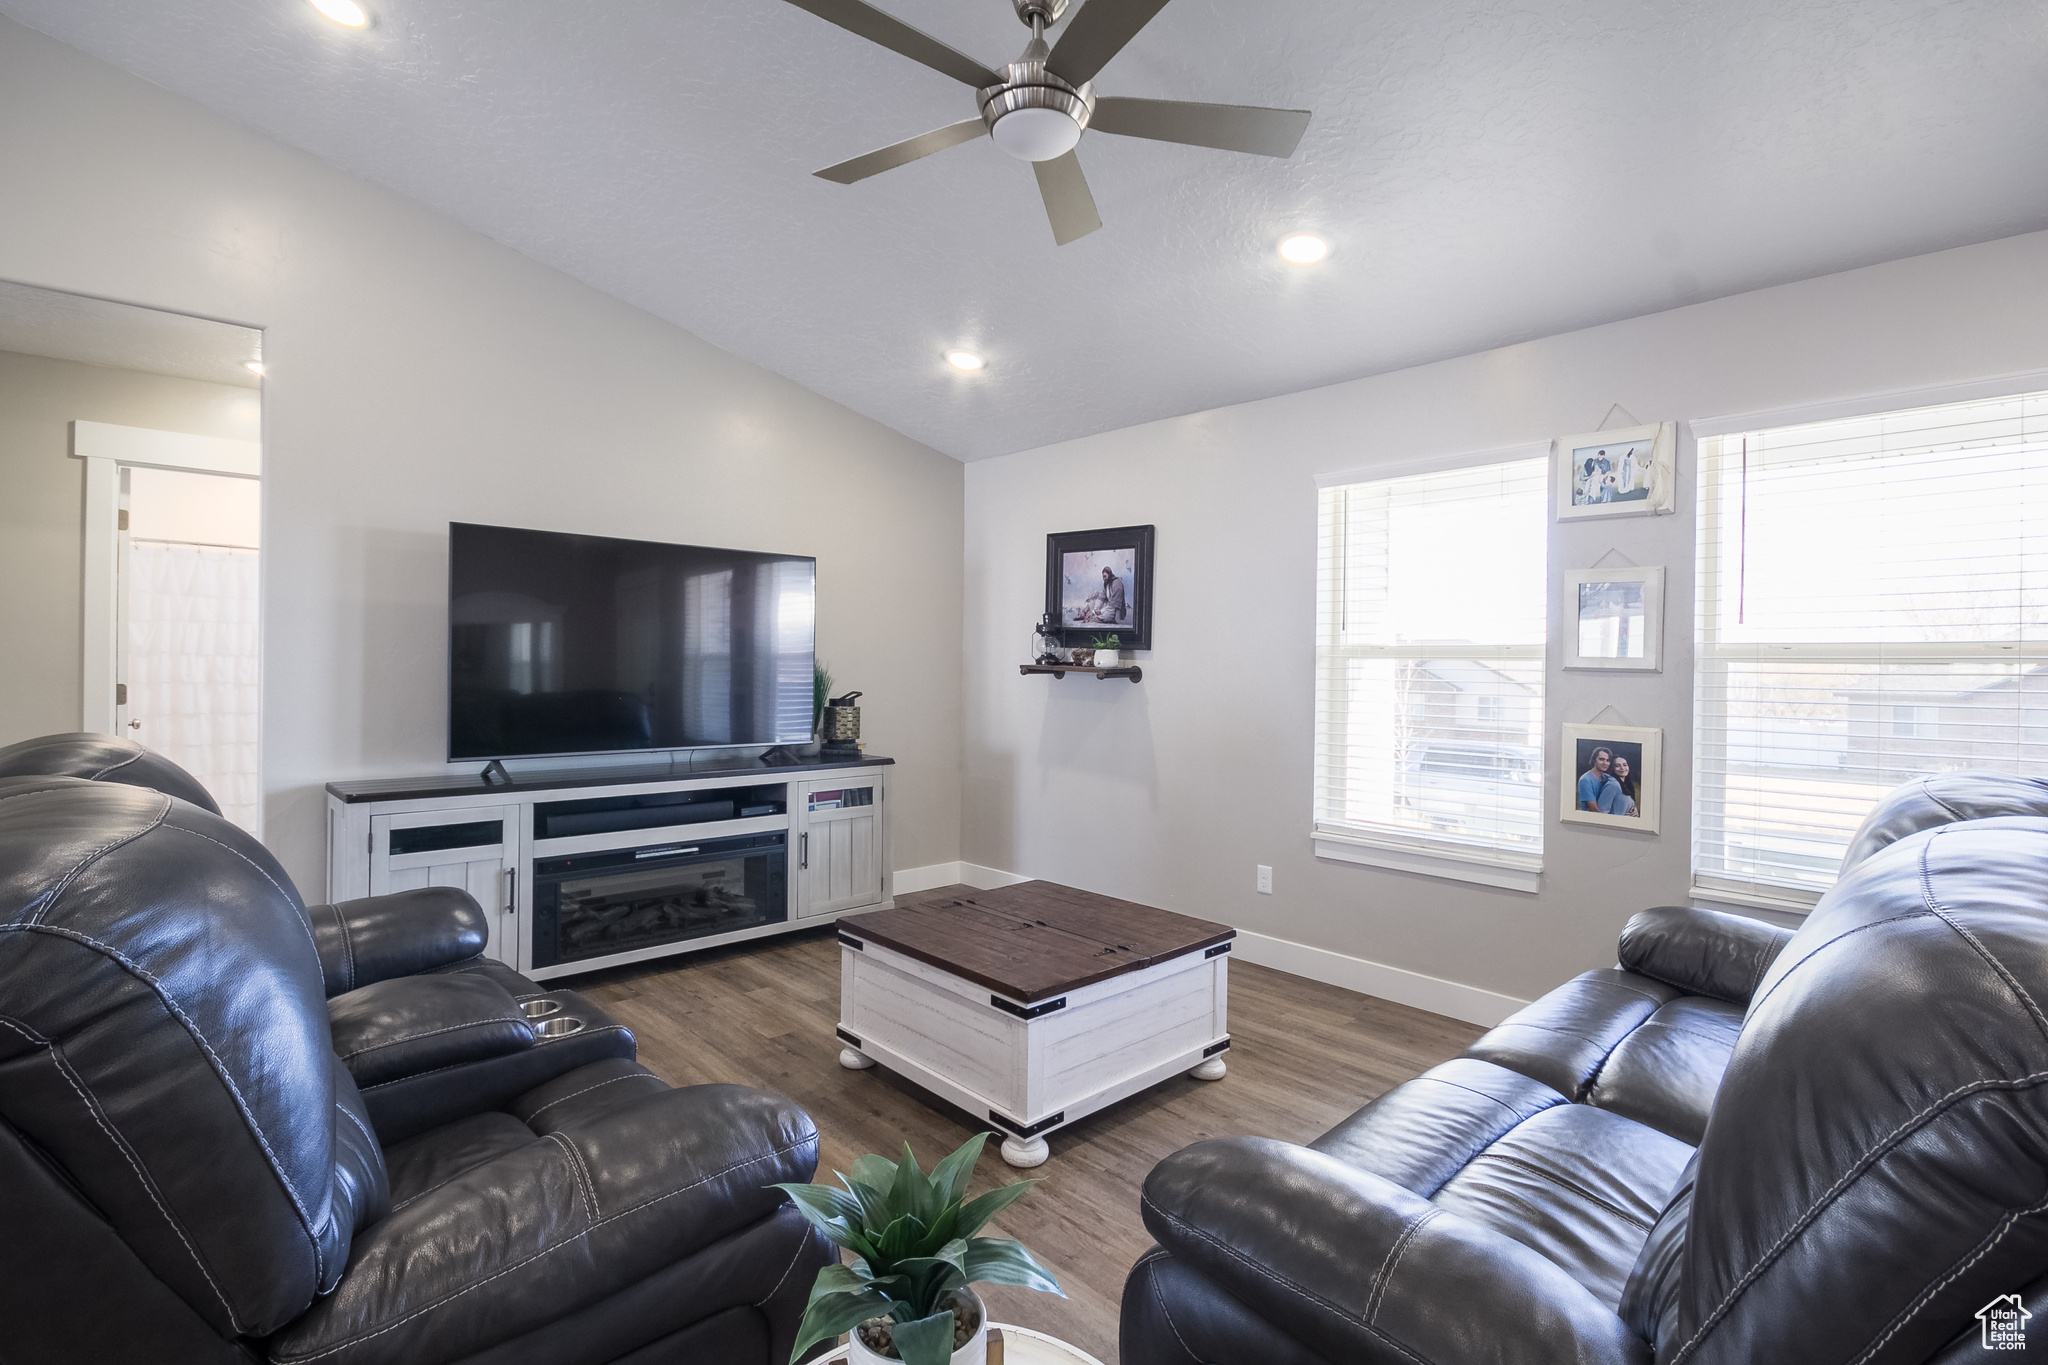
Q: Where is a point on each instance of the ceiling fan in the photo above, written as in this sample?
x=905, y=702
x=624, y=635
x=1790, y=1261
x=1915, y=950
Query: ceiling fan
x=1037, y=107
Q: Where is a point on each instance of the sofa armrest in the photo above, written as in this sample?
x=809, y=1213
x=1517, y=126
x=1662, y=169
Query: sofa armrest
x=1357, y=1268
x=1705, y=952
x=555, y=1226
x=402, y=934
x=411, y=1025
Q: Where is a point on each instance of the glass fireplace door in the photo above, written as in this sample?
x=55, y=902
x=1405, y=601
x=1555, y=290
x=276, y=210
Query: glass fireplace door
x=595, y=905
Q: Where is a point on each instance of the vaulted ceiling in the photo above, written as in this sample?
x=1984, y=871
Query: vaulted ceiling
x=1485, y=173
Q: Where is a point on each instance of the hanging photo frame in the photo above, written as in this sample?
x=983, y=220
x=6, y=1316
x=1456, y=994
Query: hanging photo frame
x=1627, y=472
x=1098, y=584
x=1612, y=775
x=1615, y=619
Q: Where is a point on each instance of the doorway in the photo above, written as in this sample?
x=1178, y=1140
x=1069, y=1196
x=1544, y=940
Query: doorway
x=130, y=485
x=186, y=661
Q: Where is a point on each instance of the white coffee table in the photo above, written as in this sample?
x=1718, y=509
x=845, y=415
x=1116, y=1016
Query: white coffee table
x=1021, y=1346
x=1033, y=1006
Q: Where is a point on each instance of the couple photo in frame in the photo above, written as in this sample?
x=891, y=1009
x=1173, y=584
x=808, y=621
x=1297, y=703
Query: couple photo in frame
x=1612, y=776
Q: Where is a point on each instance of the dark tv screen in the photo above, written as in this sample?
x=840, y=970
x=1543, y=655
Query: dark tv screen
x=561, y=644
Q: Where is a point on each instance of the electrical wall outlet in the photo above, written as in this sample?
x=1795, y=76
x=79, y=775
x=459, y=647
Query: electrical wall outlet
x=1265, y=880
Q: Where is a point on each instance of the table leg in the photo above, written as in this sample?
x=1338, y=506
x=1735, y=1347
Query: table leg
x=1025, y=1152
x=1211, y=1070
x=853, y=1061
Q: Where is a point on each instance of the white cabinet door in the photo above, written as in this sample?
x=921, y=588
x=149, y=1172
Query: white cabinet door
x=475, y=848
x=838, y=828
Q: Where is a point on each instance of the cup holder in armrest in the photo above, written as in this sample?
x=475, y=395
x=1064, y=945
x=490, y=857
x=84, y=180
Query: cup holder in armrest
x=545, y=1029
x=540, y=1008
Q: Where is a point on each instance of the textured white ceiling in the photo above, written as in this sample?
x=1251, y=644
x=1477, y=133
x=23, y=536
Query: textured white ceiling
x=1486, y=172
x=120, y=336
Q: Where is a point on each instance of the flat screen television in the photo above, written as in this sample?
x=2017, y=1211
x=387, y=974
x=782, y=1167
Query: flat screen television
x=562, y=644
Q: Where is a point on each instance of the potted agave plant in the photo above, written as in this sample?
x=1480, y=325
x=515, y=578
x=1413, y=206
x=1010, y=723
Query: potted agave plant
x=904, y=1296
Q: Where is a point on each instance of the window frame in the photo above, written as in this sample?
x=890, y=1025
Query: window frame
x=1497, y=867
x=1710, y=652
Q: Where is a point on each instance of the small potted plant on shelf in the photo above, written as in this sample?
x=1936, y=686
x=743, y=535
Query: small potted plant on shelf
x=904, y=1295
x=1105, y=650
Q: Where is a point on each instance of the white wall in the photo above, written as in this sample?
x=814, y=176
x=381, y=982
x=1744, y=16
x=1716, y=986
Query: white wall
x=418, y=373
x=42, y=513
x=1171, y=791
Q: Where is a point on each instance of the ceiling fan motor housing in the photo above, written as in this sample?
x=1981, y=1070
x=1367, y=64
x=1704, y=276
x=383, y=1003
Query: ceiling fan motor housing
x=1034, y=115
x=1046, y=11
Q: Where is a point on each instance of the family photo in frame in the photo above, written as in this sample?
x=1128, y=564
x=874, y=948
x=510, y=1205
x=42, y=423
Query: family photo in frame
x=1628, y=472
x=1612, y=776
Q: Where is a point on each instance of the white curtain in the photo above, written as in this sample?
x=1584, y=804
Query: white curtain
x=192, y=666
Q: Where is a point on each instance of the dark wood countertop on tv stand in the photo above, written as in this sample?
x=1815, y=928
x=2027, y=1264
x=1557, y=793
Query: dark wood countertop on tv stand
x=433, y=786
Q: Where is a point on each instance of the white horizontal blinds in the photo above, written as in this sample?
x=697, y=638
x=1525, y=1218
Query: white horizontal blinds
x=1873, y=607
x=1429, y=677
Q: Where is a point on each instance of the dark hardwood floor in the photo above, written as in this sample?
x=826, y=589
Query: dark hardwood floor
x=1303, y=1055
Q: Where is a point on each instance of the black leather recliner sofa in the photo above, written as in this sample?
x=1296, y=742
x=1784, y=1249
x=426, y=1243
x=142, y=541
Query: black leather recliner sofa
x=425, y=1052
x=1740, y=1145
x=189, y=1169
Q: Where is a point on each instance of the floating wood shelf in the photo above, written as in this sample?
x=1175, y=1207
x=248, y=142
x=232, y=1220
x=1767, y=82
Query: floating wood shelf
x=1131, y=671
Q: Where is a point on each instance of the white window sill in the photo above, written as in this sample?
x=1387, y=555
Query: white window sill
x=1785, y=902
x=1506, y=872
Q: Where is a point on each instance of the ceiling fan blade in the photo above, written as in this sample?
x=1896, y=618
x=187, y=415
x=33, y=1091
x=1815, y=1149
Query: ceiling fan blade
x=1067, y=201
x=1096, y=34
x=892, y=33
x=889, y=158
x=1232, y=127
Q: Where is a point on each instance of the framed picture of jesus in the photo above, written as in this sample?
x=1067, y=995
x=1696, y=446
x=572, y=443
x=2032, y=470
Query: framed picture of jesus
x=1098, y=586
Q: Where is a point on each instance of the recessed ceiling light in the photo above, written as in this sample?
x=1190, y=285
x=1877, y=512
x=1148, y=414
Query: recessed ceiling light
x=1304, y=249
x=344, y=12
x=964, y=360
x=253, y=366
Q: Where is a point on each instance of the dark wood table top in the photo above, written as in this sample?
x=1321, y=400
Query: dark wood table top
x=1036, y=940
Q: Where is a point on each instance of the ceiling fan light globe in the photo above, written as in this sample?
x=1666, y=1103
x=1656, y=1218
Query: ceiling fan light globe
x=1036, y=134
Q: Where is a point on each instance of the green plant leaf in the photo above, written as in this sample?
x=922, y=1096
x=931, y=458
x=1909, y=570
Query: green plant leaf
x=999, y=1260
x=833, y=1314
x=925, y=1341
x=903, y=1238
x=906, y=1195
x=874, y=1203
x=822, y=1204
x=840, y=1278
x=875, y=1174
x=976, y=1212
x=951, y=1175
x=922, y=1279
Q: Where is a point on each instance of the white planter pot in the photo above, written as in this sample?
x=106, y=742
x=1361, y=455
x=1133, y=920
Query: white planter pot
x=975, y=1352
x=1105, y=658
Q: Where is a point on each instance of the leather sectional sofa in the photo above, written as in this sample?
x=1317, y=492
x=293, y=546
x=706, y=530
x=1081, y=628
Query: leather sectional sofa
x=1742, y=1144
x=236, y=1129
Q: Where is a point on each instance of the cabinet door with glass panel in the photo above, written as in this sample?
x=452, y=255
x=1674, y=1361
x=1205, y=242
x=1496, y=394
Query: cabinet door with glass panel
x=476, y=849
x=839, y=845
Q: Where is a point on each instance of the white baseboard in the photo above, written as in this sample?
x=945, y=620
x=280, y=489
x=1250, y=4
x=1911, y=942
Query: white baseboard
x=981, y=878
x=1398, y=984
x=1403, y=987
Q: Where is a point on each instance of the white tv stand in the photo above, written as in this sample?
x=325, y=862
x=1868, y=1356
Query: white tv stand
x=396, y=834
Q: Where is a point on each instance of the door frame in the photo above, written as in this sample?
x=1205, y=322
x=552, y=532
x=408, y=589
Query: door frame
x=108, y=449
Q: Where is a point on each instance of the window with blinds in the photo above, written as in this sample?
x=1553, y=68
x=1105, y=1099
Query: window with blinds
x=1873, y=606
x=1429, y=665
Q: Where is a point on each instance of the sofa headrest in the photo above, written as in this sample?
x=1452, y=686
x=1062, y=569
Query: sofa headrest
x=1943, y=799
x=164, y=1041
x=103, y=758
x=1880, y=1141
